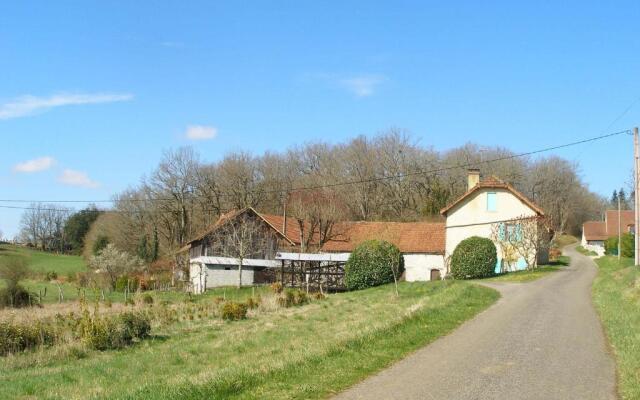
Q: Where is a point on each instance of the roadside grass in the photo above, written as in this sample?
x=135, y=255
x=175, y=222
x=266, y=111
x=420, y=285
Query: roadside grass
x=616, y=295
x=304, y=352
x=527, y=276
x=580, y=249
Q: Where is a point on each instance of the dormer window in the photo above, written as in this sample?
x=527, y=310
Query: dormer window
x=492, y=199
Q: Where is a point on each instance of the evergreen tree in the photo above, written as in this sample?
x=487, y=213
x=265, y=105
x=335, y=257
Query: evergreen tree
x=155, y=246
x=143, y=248
x=623, y=199
x=614, y=199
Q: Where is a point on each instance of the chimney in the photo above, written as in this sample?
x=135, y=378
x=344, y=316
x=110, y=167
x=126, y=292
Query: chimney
x=473, y=177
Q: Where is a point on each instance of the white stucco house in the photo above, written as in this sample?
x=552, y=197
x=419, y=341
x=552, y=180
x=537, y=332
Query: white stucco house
x=486, y=203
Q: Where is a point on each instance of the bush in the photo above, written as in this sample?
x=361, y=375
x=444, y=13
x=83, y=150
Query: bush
x=147, y=299
x=15, y=295
x=17, y=337
x=474, y=257
x=319, y=296
x=105, y=333
x=253, y=302
x=124, y=280
x=372, y=263
x=277, y=287
x=290, y=298
x=626, y=247
x=233, y=311
x=51, y=276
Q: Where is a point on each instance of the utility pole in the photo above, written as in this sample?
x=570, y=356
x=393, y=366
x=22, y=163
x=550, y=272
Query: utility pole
x=619, y=233
x=636, y=208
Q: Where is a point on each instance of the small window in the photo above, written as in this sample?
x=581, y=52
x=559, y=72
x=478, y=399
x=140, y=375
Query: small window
x=227, y=268
x=491, y=201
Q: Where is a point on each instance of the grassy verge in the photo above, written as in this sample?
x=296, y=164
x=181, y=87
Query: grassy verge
x=564, y=240
x=527, y=276
x=306, y=352
x=616, y=295
x=585, y=252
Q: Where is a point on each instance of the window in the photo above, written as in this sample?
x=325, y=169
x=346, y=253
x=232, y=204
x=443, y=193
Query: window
x=510, y=232
x=491, y=201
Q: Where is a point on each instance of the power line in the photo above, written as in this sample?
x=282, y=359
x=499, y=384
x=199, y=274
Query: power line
x=351, y=182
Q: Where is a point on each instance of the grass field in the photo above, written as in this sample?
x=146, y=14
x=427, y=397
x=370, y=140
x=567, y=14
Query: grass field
x=564, y=240
x=43, y=262
x=527, y=276
x=305, y=352
x=585, y=252
x=616, y=295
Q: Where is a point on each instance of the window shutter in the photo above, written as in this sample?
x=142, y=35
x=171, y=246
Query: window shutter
x=501, y=231
x=518, y=232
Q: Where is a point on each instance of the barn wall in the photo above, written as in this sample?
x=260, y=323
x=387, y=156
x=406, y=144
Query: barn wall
x=418, y=266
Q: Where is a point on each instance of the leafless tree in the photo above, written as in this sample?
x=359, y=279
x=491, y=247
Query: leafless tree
x=525, y=236
x=317, y=213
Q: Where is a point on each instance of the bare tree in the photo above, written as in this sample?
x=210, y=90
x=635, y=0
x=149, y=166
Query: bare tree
x=526, y=237
x=242, y=238
x=317, y=213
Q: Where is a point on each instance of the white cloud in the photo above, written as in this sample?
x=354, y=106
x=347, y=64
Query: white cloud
x=71, y=177
x=201, y=132
x=362, y=86
x=35, y=165
x=29, y=105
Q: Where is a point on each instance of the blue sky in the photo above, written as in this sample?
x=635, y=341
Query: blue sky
x=91, y=94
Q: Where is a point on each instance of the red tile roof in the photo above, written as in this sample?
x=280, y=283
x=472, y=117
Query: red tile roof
x=626, y=219
x=410, y=237
x=595, y=230
x=493, y=182
x=602, y=230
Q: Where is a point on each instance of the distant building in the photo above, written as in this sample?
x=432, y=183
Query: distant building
x=595, y=233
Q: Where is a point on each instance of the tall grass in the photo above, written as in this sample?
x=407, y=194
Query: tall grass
x=299, y=352
x=616, y=295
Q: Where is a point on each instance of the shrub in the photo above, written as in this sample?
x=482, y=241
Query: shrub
x=114, y=332
x=233, y=311
x=17, y=337
x=319, y=296
x=474, y=257
x=372, y=263
x=147, y=299
x=124, y=280
x=16, y=296
x=51, y=276
x=626, y=247
x=276, y=287
x=253, y=302
x=290, y=298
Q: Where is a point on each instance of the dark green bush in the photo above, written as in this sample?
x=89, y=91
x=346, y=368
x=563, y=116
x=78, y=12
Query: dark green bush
x=474, y=257
x=627, y=246
x=17, y=337
x=51, y=276
x=136, y=325
x=372, y=263
x=16, y=296
x=233, y=311
x=147, y=299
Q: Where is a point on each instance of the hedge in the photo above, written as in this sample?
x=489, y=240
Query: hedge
x=371, y=264
x=475, y=257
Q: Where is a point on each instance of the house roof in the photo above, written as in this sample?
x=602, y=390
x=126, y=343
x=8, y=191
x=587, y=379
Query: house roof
x=602, y=230
x=410, y=237
x=595, y=230
x=626, y=219
x=493, y=182
x=271, y=220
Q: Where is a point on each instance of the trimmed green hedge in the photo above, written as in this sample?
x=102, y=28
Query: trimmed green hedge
x=372, y=264
x=474, y=257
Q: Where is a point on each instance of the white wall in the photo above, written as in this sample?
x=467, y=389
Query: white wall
x=461, y=219
x=218, y=275
x=418, y=266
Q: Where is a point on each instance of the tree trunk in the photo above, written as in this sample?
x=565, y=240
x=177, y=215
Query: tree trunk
x=240, y=274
